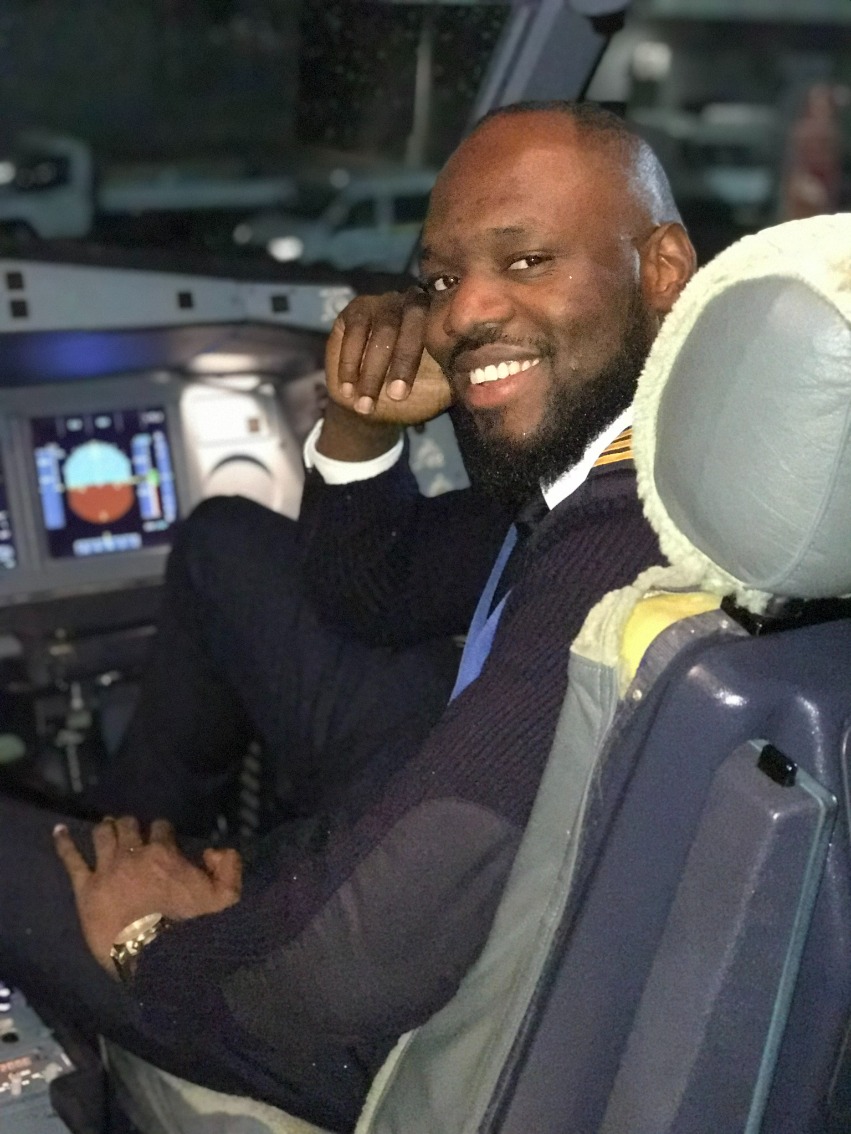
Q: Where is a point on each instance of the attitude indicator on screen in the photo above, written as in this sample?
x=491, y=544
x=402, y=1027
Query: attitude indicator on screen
x=106, y=481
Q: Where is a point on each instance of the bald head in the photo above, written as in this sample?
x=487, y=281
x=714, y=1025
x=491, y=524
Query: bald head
x=592, y=126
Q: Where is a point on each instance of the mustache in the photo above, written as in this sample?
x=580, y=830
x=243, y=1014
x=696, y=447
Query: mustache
x=489, y=338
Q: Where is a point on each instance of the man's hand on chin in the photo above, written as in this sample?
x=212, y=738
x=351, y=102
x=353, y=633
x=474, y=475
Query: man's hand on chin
x=376, y=365
x=133, y=877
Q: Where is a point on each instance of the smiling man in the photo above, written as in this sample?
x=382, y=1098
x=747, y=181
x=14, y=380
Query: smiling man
x=552, y=252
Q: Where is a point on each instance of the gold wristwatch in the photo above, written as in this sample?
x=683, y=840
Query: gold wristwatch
x=133, y=938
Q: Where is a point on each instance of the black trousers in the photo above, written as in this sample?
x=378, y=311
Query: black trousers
x=239, y=653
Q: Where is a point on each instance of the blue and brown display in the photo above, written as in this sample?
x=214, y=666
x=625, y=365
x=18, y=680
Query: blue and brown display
x=105, y=480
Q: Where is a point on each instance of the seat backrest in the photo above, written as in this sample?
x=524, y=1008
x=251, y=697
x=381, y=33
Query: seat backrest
x=680, y=978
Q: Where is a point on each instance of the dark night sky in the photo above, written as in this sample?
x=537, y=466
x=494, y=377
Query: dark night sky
x=357, y=73
x=150, y=79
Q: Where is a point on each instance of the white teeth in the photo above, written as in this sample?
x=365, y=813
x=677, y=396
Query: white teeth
x=493, y=373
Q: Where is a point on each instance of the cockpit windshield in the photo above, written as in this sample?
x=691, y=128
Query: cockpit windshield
x=214, y=125
x=180, y=124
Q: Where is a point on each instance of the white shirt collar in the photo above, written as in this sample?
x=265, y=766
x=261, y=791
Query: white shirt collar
x=569, y=481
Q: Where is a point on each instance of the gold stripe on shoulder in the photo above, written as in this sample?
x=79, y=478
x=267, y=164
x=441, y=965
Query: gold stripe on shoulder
x=613, y=459
x=619, y=450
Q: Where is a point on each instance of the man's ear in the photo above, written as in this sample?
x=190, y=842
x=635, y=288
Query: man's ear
x=668, y=261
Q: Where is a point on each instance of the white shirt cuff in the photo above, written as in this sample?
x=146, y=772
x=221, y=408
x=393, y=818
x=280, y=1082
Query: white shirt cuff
x=333, y=471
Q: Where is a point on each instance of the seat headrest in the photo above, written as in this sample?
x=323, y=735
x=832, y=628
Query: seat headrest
x=742, y=430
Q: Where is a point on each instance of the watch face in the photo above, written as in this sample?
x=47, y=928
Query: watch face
x=138, y=928
x=133, y=939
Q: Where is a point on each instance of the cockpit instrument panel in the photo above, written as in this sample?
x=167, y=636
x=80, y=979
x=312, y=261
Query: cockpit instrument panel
x=99, y=473
x=105, y=481
x=96, y=479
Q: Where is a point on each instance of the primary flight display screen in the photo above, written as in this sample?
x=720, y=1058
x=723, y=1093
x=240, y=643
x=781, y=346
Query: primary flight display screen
x=106, y=481
x=8, y=552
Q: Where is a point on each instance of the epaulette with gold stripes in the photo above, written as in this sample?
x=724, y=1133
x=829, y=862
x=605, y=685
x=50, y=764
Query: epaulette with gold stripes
x=619, y=451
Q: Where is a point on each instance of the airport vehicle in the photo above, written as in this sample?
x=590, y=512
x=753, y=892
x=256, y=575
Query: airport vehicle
x=49, y=187
x=188, y=380
x=373, y=221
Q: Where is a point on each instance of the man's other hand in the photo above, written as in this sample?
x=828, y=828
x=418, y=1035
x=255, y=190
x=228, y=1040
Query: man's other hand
x=133, y=877
x=376, y=365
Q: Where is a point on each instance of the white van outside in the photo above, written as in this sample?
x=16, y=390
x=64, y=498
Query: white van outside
x=371, y=221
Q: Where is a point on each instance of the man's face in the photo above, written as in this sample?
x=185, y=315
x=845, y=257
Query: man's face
x=536, y=315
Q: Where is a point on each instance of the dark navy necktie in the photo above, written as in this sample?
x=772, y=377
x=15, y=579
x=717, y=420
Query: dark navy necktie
x=525, y=523
x=490, y=605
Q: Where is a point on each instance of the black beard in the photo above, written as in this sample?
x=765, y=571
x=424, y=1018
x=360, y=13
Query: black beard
x=511, y=471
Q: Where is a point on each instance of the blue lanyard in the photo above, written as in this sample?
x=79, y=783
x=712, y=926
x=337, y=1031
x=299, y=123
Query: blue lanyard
x=485, y=621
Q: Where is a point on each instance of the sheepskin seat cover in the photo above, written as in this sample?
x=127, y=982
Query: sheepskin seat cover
x=743, y=418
